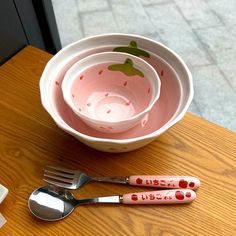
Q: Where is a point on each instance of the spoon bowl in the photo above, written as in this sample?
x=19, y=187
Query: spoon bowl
x=51, y=203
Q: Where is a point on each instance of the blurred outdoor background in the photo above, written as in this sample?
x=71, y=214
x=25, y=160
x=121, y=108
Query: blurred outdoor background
x=202, y=32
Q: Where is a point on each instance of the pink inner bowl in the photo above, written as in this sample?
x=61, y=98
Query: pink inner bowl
x=162, y=112
x=109, y=95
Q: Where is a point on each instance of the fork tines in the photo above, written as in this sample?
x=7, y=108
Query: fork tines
x=59, y=176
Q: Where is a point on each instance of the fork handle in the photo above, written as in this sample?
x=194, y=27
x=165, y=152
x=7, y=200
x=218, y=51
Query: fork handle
x=112, y=179
x=164, y=181
x=171, y=196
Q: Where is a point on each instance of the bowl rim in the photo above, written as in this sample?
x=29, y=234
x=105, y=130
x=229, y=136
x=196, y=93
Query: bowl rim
x=70, y=77
x=88, y=138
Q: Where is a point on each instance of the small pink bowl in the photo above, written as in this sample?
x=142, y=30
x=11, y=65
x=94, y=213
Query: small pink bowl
x=110, y=91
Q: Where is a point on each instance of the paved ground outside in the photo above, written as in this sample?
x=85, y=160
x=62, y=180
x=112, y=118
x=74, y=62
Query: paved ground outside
x=202, y=32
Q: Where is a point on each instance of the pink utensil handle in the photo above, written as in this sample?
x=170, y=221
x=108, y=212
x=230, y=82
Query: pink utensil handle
x=171, y=196
x=165, y=181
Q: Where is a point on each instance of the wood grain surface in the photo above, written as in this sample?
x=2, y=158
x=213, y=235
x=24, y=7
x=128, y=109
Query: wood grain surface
x=29, y=140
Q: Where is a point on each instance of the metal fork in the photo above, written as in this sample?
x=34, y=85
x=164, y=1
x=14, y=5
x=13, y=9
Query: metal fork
x=74, y=179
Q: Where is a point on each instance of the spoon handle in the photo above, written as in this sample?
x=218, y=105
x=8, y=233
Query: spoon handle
x=174, y=182
x=171, y=196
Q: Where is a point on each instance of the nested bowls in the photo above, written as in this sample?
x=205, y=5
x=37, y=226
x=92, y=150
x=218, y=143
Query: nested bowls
x=104, y=90
x=175, y=96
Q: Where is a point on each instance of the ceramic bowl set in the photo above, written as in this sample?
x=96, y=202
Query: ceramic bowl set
x=116, y=92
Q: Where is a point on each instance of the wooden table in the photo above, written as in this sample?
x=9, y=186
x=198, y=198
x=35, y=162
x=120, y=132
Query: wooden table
x=29, y=140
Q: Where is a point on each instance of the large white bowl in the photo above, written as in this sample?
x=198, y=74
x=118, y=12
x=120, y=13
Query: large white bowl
x=176, y=94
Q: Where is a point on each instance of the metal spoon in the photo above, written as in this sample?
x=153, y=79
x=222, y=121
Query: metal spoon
x=52, y=203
